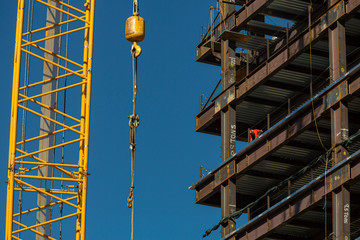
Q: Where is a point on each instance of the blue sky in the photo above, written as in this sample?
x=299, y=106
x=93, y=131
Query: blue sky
x=169, y=152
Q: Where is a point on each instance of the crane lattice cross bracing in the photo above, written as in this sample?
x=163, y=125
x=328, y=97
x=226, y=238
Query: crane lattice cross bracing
x=49, y=130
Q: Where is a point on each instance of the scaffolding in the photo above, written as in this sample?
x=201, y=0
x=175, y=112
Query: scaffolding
x=298, y=80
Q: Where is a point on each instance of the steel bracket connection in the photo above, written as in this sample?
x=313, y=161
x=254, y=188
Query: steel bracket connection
x=336, y=95
x=223, y=100
x=337, y=179
x=332, y=15
x=224, y=173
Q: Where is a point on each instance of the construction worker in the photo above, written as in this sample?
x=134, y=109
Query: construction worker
x=254, y=134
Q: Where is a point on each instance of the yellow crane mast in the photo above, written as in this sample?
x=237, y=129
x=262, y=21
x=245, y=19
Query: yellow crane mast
x=49, y=129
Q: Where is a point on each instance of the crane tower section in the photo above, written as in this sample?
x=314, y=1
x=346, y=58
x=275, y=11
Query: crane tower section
x=49, y=129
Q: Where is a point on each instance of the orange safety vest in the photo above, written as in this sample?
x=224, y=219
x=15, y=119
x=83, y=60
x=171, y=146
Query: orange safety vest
x=254, y=134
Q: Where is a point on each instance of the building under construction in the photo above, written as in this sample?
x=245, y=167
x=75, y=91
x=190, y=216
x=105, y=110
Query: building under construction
x=293, y=92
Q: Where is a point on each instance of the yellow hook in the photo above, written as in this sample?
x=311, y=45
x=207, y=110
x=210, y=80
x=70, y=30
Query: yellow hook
x=135, y=50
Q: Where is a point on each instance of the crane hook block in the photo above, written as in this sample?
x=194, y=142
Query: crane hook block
x=135, y=29
x=135, y=50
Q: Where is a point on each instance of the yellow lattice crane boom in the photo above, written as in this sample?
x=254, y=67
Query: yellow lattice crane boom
x=49, y=129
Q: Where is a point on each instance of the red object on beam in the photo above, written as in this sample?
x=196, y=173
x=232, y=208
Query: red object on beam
x=254, y=134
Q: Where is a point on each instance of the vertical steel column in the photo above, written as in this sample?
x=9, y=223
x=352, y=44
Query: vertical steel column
x=340, y=199
x=50, y=71
x=228, y=126
x=339, y=130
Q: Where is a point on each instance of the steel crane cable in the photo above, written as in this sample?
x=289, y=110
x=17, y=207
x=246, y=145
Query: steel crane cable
x=133, y=124
x=135, y=32
x=61, y=205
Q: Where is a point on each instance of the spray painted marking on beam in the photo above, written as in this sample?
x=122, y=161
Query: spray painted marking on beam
x=232, y=69
x=225, y=173
x=346, y=213
x=232, y=139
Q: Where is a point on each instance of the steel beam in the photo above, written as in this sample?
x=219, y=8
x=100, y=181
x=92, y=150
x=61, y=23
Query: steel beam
x=277, y=137
x=228, y=126
x=238, y=19
x=341, y=214
x=305, y=199
x=339, y=129
x=280, y=60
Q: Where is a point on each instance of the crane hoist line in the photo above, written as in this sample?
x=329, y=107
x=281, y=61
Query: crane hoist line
x=135, y=33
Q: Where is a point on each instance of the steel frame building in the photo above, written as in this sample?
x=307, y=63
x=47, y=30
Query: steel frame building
x=300, y=84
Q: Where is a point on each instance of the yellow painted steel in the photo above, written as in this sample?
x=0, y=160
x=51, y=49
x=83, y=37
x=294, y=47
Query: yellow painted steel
x=48, y=80
x=135, y=29
x=24, y=163
x=50, y=191
x=56, y=55
x=37, y=232
x=50, y=62
x=51, y=120
x=51, y=26
x=54, y=36
x=46, y=135
x=38, y=208
x=60, y=10
x=49, y=92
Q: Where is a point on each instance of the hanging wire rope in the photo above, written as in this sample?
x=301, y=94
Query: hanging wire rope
x=133, y=123
x=30, y=15
x=134, y=32
x=61, y=206
x=311, y=77
x=313, y=112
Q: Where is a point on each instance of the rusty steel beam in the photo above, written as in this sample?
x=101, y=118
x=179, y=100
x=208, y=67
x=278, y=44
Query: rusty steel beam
x=233, y=22
x=339, y=128
x=275, y=63
x=280, y=134
x=228, y=126
x=299, y=202
x=341, y=214
x=238, y=19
